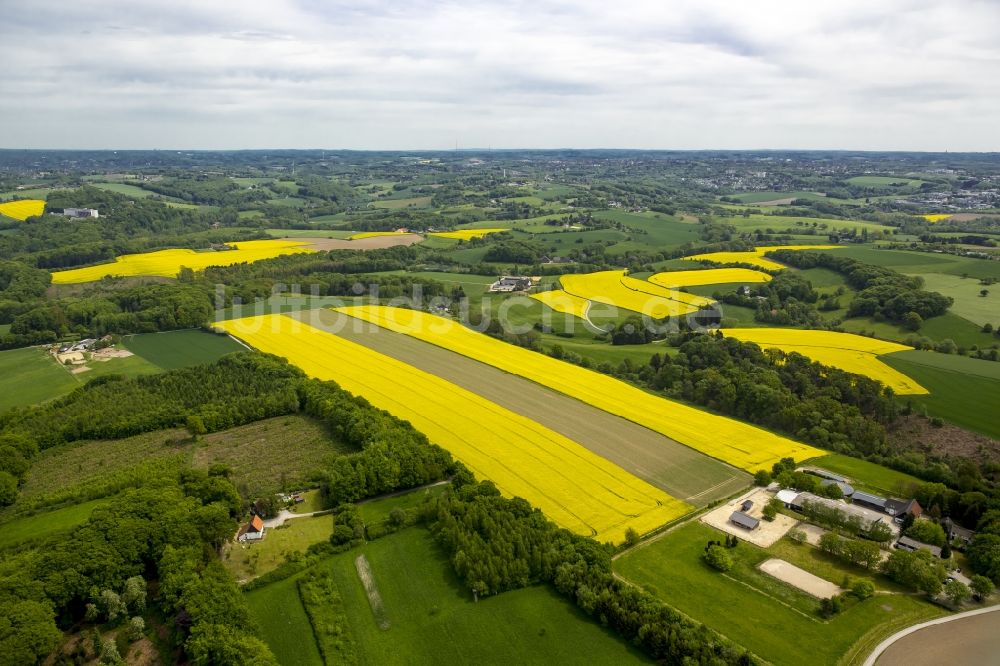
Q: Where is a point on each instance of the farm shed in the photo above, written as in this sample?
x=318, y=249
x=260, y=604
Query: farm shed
x=824, y=474
x=912, y=545
x=869, y=501
x=867, y=516
x=787, y=497
x=741, y=519
x=746, y=506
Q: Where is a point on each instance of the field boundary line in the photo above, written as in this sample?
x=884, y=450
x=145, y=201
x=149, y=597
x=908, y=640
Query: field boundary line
x=617, y=576
x=773, y=598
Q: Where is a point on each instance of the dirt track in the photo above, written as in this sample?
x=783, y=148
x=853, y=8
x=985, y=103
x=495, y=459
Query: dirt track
x=370, y=243
x=677, y=469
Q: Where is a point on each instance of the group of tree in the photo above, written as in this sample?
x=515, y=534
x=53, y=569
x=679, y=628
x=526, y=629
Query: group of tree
x=882, y=292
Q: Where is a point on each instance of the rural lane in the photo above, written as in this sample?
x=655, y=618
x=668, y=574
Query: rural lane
x=884, y=645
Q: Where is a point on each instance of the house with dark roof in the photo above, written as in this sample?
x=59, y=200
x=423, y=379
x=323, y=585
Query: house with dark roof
x=741, y=519
x=957, y=532
x=252, y=531
x=899, y=509
x=868, y=500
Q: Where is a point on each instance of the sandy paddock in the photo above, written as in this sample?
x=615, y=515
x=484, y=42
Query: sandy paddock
x=800, y=578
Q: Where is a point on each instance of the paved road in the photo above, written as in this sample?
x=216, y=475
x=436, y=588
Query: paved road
x=884, y=645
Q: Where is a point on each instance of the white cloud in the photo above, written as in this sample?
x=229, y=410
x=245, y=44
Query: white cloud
x=903, y=74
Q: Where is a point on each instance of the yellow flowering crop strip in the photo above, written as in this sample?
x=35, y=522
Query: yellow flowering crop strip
x=851, y=353
x=466, y=234
x=617, y=289
x=23, y=209
x=372, y=234
x=740, y=444
x=560, y=301
x=936, y=217
x=675, y=279
x=167, y=263
x=755, y=256
x=574, y=487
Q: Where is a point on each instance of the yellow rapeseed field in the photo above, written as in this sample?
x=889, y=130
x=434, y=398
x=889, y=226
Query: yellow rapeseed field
x=574, y=487
x=167, y=263
x=466, y=234
x=734, y=442
x=937, y=217
x=23, y=209
x=560, y=301
x=851, y=353
x=675, y=279
x=372, y=234
x=617, y=289
x=755, y=256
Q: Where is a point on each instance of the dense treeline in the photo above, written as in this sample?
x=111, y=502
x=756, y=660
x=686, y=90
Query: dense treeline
x=393, y=455
x=167, y=532
x=498, y=544
x=881, y=291
x=785, y=392
x=141, y=309
x=239, y=388
x=788, y=299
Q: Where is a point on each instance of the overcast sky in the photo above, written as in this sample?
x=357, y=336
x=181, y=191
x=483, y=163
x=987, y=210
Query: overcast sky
x=845, y=74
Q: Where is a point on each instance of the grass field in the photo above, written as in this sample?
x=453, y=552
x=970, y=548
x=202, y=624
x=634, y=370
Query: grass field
x=947, y=326
x=46, y=524
x=123, y=188
x=963, y=390
x=574, y=487
x=884, y=181
x=31, y=375
x=649, y=230
x=270, y=455
x=309, y=233
x=917, y=263
x=393, y=204
x=179, y=349
x=680, y=471
x=969, y=304
x=731, y=441
x=433, y=619
x=755, y=610
x=249, y=560
x=868, y=476
x=283, y=623
x=781, y=222
x=262, y=455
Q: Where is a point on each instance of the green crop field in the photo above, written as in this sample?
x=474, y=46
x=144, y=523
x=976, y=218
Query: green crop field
x=964, y=391
x=412, y=202
x=283, y=623
x=781, y=222
x=760, y=197
x=969, y=303
x=124, y=188
x=948, y=326
x=759, y=612
x=917, y=263
x=650, y=230
x=866, y=475
x=434, y=620
x=31, y=375
x=46, y=524
x=309, y=233
x=884, y=181
x=180, y=349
